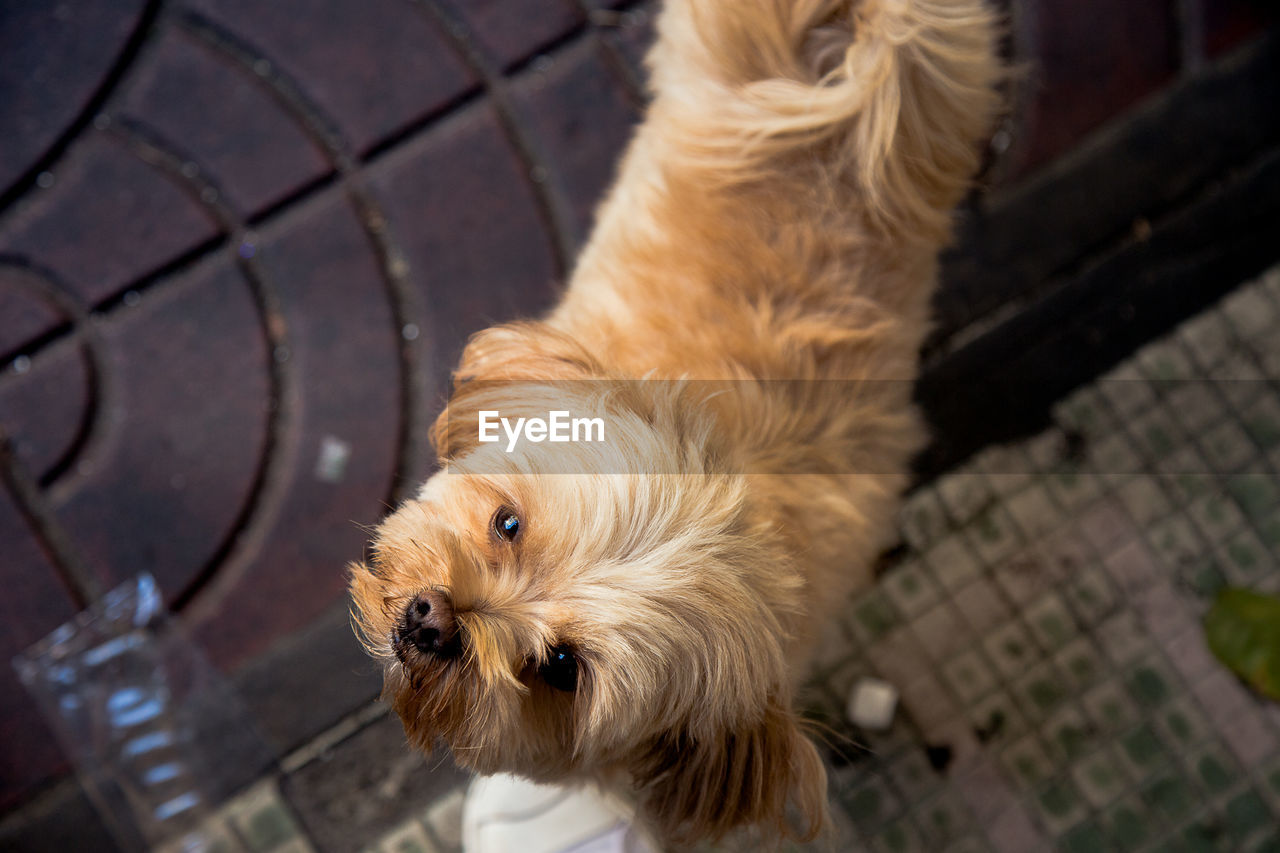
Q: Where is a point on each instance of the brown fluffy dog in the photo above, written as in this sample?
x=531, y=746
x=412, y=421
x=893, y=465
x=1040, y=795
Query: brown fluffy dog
x=640, y=613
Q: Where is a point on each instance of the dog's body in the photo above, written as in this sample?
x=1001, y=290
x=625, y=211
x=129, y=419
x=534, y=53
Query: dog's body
x=775, y=222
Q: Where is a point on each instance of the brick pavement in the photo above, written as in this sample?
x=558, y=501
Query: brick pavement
x=240, y=241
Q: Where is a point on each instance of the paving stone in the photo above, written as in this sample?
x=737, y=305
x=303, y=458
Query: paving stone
x=444, y=819
x=942, y=633
x=898, y=656
x=1182, y=724
x=1175, y=542
x=871, y=804
x=238, y=136
x=927, y=701
x=1128, y=825
x=1257, y=494
x=1166, y=362
x=472, y=264
x=1107, y=526
x=263, y=819
x=185, y=426
x=1227, y=448
x=1090, y=595
x=1080, y=662
x=26, y=314
x=345, y=370
x=912, y=776
x=1129, y=391
x=833, y=647
x=107, y=220
x=943, y=817
x=910, y=588
x=1024, y=577
x=1011, y=649
x=964, y=495
x=952, y=561
x=1142, y=751
x=1100, y=778
x=1156, y=434
x=56, y=57
x=1213, y=769
x=409, y=837
x=993, y=536
x=984, y=790
x=873, y=616
x=898, y=837
x=1067, y=553
x=1196, y=404
x=512, y=30
x=1069, y=734
x=1040, y=691
x=923, y=521
x=969, y=676
x=1262, y=422
x=352, y=794
x=581, y=119
x=1151, y=683
x=1035, y=512
x=1074, y=489
x=1028, y=763
x=1249, y=737
x=1164, y=611
x=1085, y=837
x=1247, y=814
x=374, y=67
x=1109, y=707
x=33, y=604
x=1244, y=559
x=44, y=410
x=996, y=719
x=1169, y=795
x=1217, y=515
x=308, y=680
x=1086, y=411
x=1060, y=805
x=1222, y=696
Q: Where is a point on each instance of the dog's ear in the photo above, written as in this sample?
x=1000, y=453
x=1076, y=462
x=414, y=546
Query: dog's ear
x=524, y=351
x=696, y=789
x=493, y=363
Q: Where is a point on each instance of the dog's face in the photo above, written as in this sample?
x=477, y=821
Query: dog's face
x=562, y=625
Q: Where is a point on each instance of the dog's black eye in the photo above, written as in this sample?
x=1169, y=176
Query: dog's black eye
x=506, y=524
x=561, y=670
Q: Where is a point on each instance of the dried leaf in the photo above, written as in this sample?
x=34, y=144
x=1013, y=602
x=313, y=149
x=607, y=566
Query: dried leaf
x=1243, y=631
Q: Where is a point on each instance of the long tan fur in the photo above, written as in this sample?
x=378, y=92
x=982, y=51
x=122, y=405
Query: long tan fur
x=775, y=223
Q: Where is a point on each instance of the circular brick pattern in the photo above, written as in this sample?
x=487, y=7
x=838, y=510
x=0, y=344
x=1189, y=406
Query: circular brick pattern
x=262, y=233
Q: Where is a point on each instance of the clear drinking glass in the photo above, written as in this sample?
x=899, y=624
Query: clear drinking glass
x=157, y=736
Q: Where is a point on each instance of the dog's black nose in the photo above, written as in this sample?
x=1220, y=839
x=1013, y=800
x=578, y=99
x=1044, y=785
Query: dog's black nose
x=429, y=626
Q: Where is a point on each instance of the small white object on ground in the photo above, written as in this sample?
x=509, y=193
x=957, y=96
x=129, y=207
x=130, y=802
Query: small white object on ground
x=505, y=814
x=872, y=703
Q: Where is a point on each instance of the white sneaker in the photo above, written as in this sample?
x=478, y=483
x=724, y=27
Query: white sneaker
x=506, y=814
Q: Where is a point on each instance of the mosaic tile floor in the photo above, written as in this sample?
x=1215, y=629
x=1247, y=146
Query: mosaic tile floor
x=1042, y=622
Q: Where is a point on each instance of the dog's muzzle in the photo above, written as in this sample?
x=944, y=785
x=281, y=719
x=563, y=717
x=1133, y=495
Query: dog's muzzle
x=428, y=625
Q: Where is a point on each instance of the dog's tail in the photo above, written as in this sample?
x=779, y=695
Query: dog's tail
x=891, y=95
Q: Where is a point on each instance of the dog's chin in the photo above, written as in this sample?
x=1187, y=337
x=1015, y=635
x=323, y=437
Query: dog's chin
x=486, y=727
